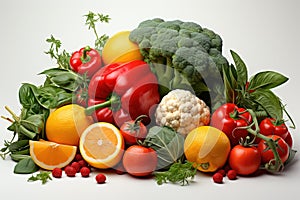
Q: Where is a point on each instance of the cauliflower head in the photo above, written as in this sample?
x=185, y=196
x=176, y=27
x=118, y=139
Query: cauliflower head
x=183, y=111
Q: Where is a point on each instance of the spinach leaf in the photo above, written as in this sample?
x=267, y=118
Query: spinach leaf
x=26, y=166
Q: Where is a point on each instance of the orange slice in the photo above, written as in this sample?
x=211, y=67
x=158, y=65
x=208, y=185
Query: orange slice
x=49, y=155
x=102, y=145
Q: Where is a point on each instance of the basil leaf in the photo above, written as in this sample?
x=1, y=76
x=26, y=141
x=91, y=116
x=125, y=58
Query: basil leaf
x=229, y=83
x=26, y=166
x=269, y=101
x=26, y=95
x=241, y=69
x=18, y=145
x=266, y=80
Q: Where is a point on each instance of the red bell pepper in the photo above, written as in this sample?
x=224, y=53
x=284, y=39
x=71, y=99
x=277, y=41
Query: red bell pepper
x=229, y=118
x=86, y=60
x=121, y=92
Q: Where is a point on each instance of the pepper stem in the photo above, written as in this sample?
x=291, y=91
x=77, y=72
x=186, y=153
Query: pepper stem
x=113, y=102
x=85, y=58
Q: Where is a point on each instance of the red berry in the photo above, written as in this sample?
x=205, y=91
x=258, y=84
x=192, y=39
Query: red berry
x=218, y=178
x=222, y=171
x=85, y=171
x=70, y=171
x=57, y=172
x=82, y=163
x=100, y=178
x=231, y=174
x=76, y=165
x=78, y=157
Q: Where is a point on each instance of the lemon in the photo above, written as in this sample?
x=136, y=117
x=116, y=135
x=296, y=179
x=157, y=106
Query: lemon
x=207, y=147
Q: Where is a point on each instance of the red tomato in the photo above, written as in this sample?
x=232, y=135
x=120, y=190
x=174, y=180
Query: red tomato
x=267, y=154
x=268, y=126
x=244, y=160
x=289, y=140
x=133, y=131
x=139, y=160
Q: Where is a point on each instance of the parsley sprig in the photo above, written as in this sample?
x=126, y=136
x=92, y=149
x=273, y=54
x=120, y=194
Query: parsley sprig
x=43, y=176
x=91, y=20
x=178, y=173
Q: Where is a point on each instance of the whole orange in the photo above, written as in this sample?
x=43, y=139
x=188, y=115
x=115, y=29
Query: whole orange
x=119, y=48
x=66, y=124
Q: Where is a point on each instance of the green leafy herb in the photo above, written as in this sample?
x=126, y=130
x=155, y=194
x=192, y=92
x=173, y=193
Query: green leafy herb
x=177, y=173
x=266, y=80
x=43, y=176
x=26, y=166
x=62, y=58
x=91, y=20
x=254, y=93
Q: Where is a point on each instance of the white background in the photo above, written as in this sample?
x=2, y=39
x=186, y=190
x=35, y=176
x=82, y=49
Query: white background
x=265, y=34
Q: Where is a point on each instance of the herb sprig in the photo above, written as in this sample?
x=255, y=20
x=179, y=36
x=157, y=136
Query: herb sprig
x=43, y=176
x=178, y=173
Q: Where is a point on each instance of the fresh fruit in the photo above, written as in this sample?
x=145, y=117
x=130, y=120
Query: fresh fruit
x=85, y=172
x=244, y=160
x=134, y=130
x=102, y=145
x=65, y=124
x=208, y=147
x=57, y=172
x=100, y=178
x=231, y=174
x=267, y=154
x=76, y=165
x=119, y=49
x=70, y=171
x=218, y=178
x=50, y=155
x=139, y=160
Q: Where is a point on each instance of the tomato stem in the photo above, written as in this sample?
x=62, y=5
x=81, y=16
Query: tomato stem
x=271, y=166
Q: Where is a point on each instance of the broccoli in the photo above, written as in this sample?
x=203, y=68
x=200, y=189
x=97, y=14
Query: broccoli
x=183, y=55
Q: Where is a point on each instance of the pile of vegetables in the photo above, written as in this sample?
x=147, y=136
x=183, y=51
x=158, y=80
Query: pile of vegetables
x=181, y=82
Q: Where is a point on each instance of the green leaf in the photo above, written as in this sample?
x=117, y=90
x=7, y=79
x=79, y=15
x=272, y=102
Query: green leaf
x=34, y=123
x=241, y=69
x=230, y=83
x=26, y=166
x=167, y=143
x=269, y=101
x=18, y=145
x=266, y=80
x=26, y=95
x=42, y=176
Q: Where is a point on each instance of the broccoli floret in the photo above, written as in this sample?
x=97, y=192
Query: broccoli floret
x=183, y=55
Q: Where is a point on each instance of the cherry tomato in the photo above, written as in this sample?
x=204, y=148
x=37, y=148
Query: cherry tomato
x=268, y=126
x=267, y=154
x=139, y=160
x=133, y=131
x=244, y=160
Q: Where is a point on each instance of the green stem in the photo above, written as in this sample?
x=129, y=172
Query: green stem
x=113, y=100
x=85, y=58
x=26, y=132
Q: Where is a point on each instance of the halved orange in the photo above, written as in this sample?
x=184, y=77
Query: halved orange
x=102, y=145
x=49, y=155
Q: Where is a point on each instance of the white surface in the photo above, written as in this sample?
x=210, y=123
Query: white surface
x=265, y=33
